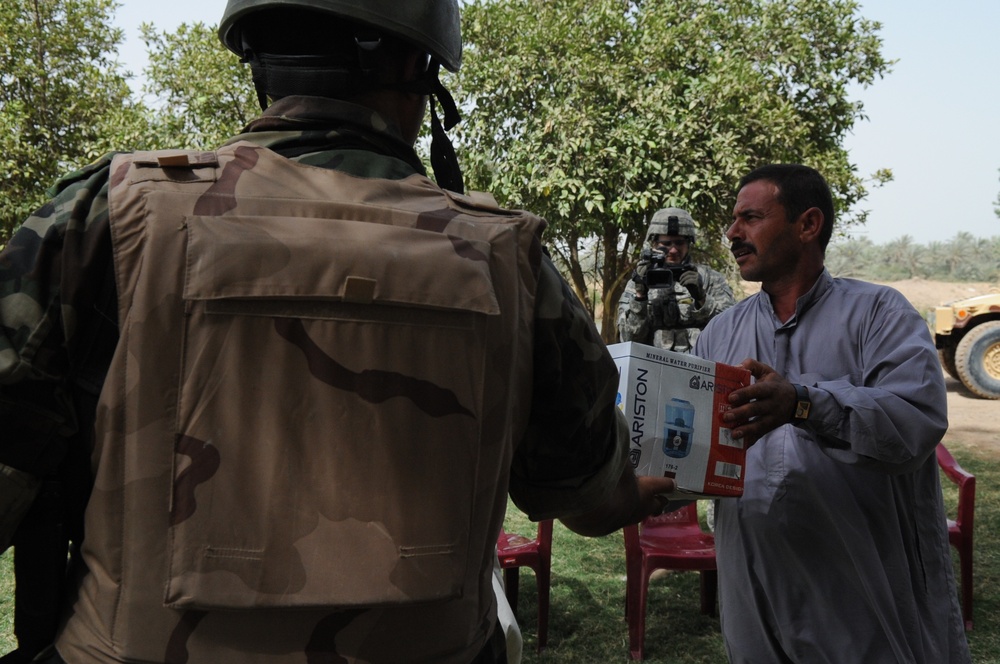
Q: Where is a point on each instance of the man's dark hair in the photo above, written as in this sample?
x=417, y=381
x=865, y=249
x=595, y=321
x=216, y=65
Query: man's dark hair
x=799, y=188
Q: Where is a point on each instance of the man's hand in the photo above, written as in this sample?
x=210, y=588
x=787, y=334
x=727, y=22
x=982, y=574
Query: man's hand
x=689, y=280
x=762, y=407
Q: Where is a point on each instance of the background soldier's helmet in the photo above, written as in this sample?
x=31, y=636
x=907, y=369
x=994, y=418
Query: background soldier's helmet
x=432, y=25
x=671, y=221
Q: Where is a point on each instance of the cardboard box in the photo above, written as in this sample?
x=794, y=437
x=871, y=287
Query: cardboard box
x=674, y=404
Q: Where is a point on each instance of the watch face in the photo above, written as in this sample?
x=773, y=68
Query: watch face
x=803, y=404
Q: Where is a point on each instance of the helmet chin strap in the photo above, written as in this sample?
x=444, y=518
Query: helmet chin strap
x=443, y=159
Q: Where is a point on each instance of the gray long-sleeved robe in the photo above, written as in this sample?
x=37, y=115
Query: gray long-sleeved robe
x=838, y=549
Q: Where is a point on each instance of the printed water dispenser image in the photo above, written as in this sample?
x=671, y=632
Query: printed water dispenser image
x=678, y=429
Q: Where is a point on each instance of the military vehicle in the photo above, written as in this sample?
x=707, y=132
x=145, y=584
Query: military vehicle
x=967, y=336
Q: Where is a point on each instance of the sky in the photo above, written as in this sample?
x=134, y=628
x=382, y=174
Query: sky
x=934, y=120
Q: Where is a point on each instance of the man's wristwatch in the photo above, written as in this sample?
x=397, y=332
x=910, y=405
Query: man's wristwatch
x=802, y=403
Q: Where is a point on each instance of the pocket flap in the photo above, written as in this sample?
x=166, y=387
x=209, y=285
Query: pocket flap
x=336, y=259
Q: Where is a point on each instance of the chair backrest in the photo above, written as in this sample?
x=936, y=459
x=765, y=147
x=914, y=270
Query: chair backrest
x=685, y=517
x=515, y=549
x=966, y=482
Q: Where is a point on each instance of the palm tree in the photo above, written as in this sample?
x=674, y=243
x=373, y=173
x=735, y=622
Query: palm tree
x=902, y=258
x=959, y=250
x=850, y=258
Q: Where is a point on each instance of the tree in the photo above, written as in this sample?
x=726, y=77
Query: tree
x=903, y=259
x=63, y=96
x=851, y=257
x=997, y=203
x=595, y=113
x=203, y=95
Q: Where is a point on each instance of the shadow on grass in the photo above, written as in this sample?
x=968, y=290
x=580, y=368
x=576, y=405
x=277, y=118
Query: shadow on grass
x=587, y=624
x=587, y=609
x=984, y=639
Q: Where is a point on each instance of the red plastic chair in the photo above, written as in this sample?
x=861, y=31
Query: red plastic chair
x=673, y=540
x=960, y=529
x=516, y=551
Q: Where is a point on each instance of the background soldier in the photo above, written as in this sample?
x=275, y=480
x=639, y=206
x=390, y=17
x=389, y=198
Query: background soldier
x=670, y=299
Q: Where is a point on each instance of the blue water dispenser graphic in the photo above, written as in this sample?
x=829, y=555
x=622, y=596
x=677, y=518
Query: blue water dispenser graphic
x=678, y=429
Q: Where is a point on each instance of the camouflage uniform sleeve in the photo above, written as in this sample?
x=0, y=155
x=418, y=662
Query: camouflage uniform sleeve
x=574, y=449
x=718, y=297
x=48, y=273
x=633, y=320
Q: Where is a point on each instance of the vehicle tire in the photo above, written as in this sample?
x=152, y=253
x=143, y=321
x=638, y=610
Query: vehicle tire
x=947, y=357
x=977, y=360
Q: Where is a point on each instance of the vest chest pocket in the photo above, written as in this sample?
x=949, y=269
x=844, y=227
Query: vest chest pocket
x=329, y=410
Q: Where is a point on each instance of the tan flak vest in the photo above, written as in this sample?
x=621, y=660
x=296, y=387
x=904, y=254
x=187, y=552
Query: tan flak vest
x=304, y=438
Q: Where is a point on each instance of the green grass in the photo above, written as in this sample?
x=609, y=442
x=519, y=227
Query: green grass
x=7, y=642
x=586, y=620
x=586, y=615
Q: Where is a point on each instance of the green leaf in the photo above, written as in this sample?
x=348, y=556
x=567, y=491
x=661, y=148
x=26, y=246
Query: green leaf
x=654, y=103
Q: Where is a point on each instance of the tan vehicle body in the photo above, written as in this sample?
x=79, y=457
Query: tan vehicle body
x=967, y=336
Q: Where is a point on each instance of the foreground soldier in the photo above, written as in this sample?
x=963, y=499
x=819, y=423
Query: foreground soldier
x=669, y=310
x=304, y=375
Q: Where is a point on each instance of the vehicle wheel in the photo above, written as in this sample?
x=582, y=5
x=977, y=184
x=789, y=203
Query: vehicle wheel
x=947, y=357
x=977, y=360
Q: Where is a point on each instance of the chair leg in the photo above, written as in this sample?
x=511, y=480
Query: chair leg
x=543, y=577
x=511, y=581
x=965, y=567
x=709, y=591
x=635, y=610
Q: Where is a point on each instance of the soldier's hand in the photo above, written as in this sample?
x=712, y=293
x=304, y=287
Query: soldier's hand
x=639, y=278
x=652, y=495
x=689, y=280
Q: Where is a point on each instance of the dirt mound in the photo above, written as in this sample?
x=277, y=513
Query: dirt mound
x=923, y=294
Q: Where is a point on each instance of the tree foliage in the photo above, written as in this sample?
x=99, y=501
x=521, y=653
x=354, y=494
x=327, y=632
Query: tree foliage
x=997, y=203
x=595, y=113
x=963, y=258
x=63, y=96
x=202, y=94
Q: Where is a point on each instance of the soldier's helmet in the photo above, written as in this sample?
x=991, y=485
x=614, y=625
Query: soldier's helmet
x=671, y=221
x=338, y=48
x=432, y=25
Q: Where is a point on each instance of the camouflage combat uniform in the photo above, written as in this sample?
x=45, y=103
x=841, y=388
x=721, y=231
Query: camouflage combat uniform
x=669, y=319
x=177, y=568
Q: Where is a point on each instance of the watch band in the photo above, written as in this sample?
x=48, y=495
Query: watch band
x=802, y=402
